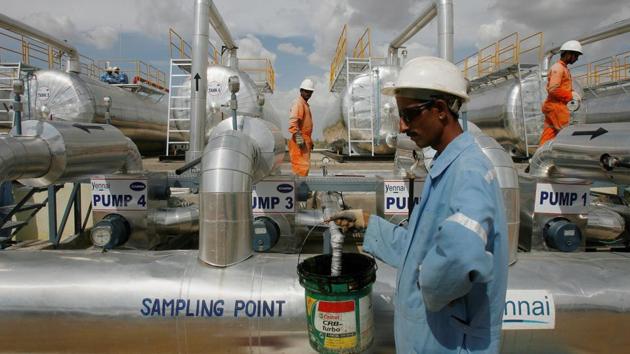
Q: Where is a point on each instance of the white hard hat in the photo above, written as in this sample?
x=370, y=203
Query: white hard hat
x=307, y=84
x=109, y=68
x=573, y=46
x=116, y=68
x=423, y=76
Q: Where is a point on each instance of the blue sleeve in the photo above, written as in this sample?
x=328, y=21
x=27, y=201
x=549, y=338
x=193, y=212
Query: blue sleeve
x=385, y=240
x=459, y=258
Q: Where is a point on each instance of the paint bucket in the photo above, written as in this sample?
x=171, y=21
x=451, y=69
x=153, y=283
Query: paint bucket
x=339, y=309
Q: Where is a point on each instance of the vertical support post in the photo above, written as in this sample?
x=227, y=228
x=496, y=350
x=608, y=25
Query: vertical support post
x=199, y=81
x=77, y=209
x=52, y=214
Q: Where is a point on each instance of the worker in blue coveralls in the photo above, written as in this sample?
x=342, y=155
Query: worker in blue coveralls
x=108, y=76
x=452, y=259
x=121, y=77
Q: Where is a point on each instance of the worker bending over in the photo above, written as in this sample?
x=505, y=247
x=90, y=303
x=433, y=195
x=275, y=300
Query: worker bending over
x=301, y=128
x=452, y=258
x=559, y=92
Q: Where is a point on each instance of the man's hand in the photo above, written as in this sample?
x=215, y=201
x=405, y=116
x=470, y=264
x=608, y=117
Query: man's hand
x=299, y=140
x=350, y=219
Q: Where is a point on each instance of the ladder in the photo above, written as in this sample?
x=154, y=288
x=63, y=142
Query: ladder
x=8, y=73
x=178, y=123
x=531, y=100
x=354, y=67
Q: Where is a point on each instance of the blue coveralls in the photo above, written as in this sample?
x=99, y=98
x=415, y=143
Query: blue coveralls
x=122, y=78
x=452, y=260
x=108, y=78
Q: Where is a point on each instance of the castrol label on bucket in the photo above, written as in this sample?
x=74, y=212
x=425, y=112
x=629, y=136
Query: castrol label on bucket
x=337, y=321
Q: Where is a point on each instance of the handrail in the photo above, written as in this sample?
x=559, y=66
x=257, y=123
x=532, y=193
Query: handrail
x=340, y=55
x=261, y=71
x=363, y=48
x=500, y=54
x=606, y=70
x=138, y=72
x=183, y=49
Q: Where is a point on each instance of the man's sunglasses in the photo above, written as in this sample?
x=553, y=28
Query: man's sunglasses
x=409, y=113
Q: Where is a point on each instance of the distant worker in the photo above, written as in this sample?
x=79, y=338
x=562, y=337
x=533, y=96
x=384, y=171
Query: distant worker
x=452, y=258
x=559, y=92
x=121, y=77
x=301, y=128
x=108, y=76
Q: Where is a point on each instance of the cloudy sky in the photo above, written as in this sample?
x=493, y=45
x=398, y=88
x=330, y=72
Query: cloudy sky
x=300, y=36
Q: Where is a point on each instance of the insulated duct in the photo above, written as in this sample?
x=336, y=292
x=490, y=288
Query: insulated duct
x=589, y=151
x=444, y=10
x=19, y=27
x=233, y=161
x=199, y=80
x=224, y=33
x=174, y=221
x=56, y=151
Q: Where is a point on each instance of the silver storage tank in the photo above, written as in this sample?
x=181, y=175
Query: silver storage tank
x=608, y=104
x=362, y=92
x=218, y=103
x=496, y=109
x=70, y=97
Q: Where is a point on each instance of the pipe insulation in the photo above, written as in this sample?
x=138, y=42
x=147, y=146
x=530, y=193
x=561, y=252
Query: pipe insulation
x=443, y=9
x=174, y=221
x=51, y=152
x=199, y=80
x=233, y=161
x=580, y=151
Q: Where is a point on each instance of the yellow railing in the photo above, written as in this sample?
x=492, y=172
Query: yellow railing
x=602, y=71
x=16, y=47
x=340, y=54
x=503, y=53
x=260, y=70
x=363, y=48
x=180, y=49
x=138, y=72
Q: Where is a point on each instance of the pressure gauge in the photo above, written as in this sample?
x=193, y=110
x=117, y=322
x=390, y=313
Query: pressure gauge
x=101, y=235
x=112, y=231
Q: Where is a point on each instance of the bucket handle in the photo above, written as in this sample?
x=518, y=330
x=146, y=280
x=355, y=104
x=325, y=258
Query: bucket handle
x=309, y=234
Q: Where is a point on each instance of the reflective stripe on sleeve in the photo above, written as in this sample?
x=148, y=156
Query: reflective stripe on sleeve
x=470, y=224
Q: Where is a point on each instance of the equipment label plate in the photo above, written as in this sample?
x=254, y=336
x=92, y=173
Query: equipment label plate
x=119, y=194
x=529, y=309
x=274, y=197
x=562, y=198
x=396, y=196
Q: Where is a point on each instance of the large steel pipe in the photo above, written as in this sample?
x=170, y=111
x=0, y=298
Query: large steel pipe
x=444, y=10
x=233, y=161
x=56, y=152
x=168, y=302
x=199, y=83
x=583, y=151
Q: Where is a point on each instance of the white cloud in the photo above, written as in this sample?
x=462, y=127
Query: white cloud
x=489, y=32
x=251, y=47
x=290, y=48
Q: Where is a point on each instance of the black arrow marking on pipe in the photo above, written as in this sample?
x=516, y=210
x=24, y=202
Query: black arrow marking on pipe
x=593, y=133
x=197, y=77
x=86, y=128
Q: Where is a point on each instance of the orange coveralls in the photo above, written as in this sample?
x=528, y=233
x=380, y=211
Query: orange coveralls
x=559, y=93
x=302, y=121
